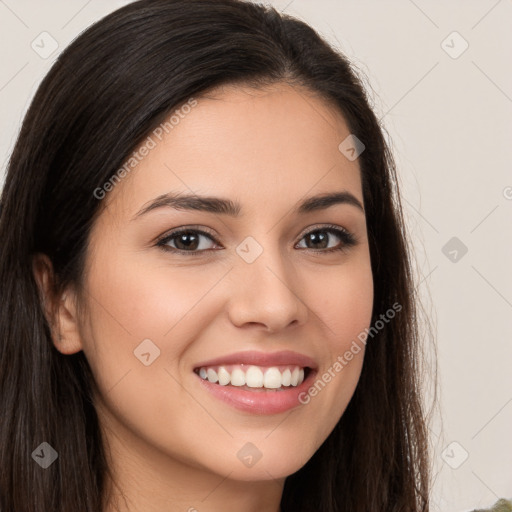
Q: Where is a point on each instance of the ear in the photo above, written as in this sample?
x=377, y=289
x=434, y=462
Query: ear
x=60, y=311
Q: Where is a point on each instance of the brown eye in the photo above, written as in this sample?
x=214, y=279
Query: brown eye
x=186, y=241
x=319, y=239
x=191, y=241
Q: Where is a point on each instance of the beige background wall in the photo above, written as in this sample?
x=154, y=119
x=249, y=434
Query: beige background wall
x=448, y=111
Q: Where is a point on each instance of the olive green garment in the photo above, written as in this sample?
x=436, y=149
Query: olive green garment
x=500, y=506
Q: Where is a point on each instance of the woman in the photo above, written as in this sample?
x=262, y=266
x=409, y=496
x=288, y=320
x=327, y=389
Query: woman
x=207, y=298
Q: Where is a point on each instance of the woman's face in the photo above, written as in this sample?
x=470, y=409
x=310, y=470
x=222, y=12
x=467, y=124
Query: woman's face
x=258, y=290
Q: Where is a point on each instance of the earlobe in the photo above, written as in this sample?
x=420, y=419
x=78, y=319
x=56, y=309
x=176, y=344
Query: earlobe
x=68, y=340
x=60, y=311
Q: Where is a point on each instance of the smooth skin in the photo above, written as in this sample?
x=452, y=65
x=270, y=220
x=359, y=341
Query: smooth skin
x=173, y=446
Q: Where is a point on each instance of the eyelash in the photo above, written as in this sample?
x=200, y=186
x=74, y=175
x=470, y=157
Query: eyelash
x=348, y=240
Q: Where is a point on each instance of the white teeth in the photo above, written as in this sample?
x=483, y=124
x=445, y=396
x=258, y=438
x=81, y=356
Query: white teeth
x=237, y=377
x=272, y=378
x=294, y=380
x=224, y=376
x=254, y=376
x=212, y=375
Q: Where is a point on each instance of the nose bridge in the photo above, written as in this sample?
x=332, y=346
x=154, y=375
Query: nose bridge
x=264, y=288
x=262, y=260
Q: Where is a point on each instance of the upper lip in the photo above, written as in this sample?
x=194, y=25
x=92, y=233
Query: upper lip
x=283, y=357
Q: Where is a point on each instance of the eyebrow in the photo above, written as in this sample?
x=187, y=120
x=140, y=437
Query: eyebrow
x=221, y=206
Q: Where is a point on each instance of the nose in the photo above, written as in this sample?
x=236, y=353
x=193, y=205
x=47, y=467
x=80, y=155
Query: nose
x=266, y=292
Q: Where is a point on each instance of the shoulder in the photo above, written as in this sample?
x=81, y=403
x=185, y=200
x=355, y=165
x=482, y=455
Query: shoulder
x=500, y=506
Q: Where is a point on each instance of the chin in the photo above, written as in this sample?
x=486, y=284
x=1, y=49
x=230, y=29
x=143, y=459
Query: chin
x=277, y=465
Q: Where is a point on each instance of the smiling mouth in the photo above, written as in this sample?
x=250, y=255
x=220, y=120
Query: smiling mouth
x=255, y=378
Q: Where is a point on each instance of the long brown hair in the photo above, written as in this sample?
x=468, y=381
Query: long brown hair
x=98, y=102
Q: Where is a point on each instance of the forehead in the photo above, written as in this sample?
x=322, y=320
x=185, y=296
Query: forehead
x=258, y=145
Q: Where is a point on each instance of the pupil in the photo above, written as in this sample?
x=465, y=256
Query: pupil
x=182, y=239
x=316, y=237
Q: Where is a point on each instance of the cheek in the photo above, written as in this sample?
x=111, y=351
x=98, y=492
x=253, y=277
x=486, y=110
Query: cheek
x=342, y=302
x=135, y=301
x=130, y=304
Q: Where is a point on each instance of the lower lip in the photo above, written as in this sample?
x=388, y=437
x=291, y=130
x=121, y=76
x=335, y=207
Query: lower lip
x=259, y=402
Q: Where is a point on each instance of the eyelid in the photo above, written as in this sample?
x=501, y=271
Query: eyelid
x=316, y=227
x=192, y=227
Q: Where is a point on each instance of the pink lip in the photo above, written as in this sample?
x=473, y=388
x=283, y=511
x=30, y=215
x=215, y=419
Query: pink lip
x=283, y=357
x=260, y=402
